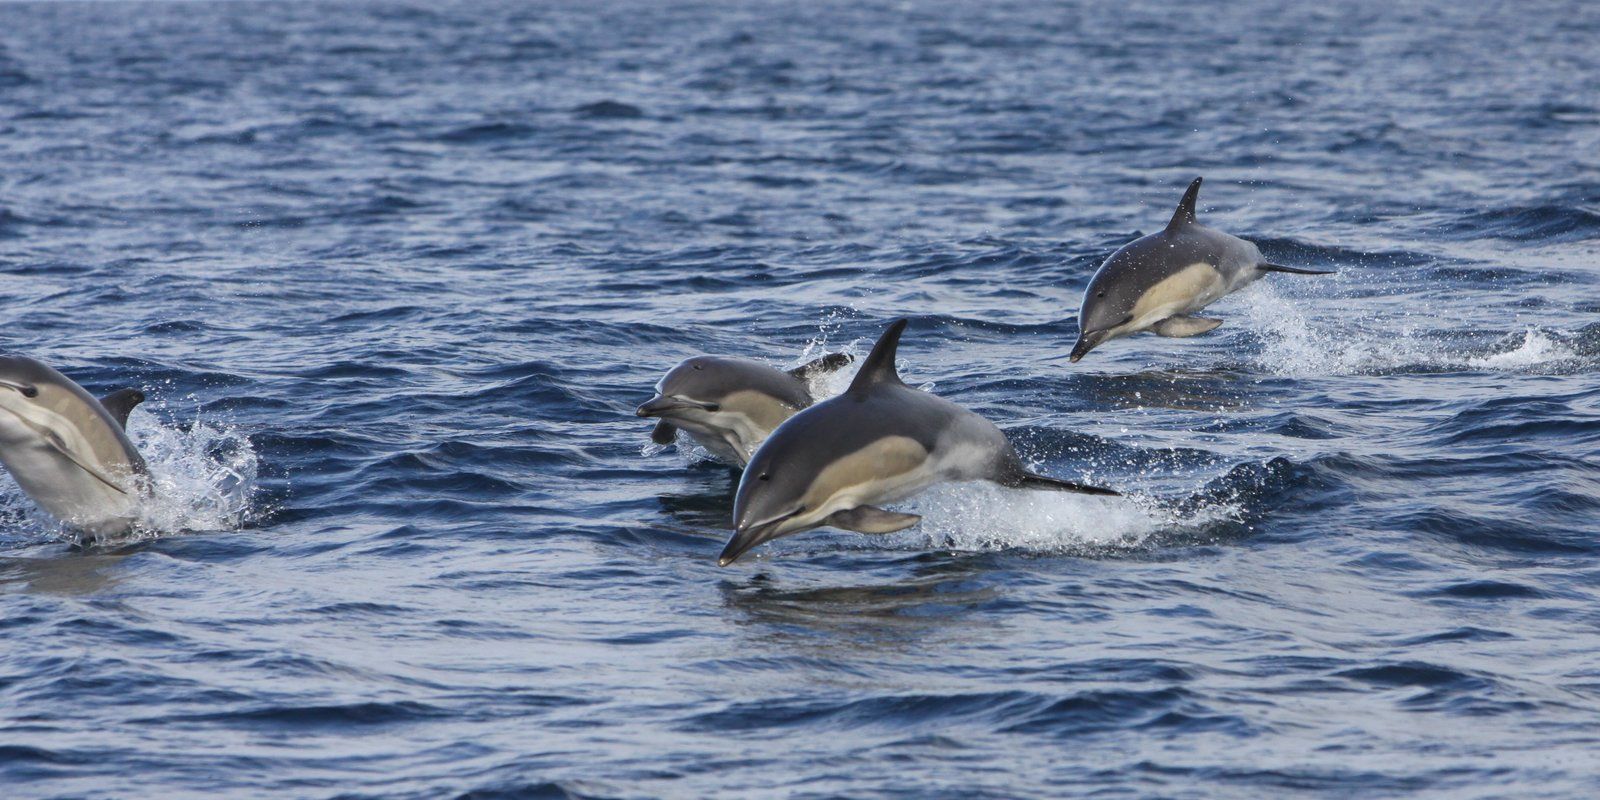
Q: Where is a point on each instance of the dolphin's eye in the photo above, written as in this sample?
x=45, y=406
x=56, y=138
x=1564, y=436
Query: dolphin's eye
x=698, y=366
x=25, y=389
x=766, y=476
x=1099, y=294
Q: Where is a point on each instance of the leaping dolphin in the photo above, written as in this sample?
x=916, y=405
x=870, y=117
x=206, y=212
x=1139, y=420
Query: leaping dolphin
x=69, y=451
x=730, y=405
x=1157, y=282
x=879, y=442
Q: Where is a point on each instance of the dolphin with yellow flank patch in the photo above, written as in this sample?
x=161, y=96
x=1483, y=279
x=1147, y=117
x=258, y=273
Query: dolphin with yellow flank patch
x=729, y=405
x=1157, y=282
x=878, y=442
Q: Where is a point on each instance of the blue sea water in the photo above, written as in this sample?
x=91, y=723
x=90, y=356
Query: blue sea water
x=395, y=276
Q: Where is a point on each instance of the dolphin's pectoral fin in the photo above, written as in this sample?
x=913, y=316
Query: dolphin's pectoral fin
x=120, y=403
x=664, y=433
x=1029, y=480
x=1182, y=327
x=61, y=447
x=827, y=363
x=1292, y=270
x=871, y=519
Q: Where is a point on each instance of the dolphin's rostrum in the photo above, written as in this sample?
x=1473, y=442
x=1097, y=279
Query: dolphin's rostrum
x=879, y=442
x=1157, y=282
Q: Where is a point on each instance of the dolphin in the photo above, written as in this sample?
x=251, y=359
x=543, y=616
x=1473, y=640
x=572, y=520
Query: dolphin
x=879, y=442
x=1157, y=282
x=69, y=451
x=730, y=405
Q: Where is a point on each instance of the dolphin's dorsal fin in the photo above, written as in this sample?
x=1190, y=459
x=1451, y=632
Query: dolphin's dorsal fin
x=121, y=402
x=1185, y=213
x=879, y=366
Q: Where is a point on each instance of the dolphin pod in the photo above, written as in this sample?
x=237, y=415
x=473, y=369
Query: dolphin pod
x=1157, y=282
x=69, y=451
x=807, y=464
x=835, y=463
x=730, y=405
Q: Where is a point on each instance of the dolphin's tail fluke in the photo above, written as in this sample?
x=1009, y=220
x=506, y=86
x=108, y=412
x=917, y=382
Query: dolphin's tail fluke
x=1292, y=270
x=1029, y=480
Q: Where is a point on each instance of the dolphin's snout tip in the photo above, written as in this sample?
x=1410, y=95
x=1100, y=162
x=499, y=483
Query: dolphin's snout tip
x=738, y=545
x=1079, y=350
x=651, y=407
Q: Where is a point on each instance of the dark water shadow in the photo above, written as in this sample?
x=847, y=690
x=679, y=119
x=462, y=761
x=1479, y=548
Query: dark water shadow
x=939, y=598
x=1181, y=390
x=706, y=499
x=63, y=571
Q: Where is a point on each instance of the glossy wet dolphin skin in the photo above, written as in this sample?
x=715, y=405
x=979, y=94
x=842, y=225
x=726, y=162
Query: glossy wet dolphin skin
x=878, y=442
x=1157, y=282
x=67, y=450
x=729, y=405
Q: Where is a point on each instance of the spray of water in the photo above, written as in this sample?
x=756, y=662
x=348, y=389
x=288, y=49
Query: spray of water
x=1296, y=344
x=981, y=516
x=203, y=478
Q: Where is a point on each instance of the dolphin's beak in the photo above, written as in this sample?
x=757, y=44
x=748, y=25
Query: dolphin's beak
x=662, y=404
x=743, y=539
x=1086, y=342
x=746, y=537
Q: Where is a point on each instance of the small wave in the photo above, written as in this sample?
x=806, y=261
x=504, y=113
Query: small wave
x=1544, y=223
x=981, y=516
x=609, y=109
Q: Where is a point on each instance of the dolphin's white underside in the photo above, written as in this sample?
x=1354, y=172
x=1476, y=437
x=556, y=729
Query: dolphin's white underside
x=1188, y=290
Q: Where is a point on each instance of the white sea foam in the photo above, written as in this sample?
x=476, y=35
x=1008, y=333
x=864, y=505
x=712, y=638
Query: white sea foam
x=981, y=516
x=203, y=475
x=1534, y=349
x=1297, y=344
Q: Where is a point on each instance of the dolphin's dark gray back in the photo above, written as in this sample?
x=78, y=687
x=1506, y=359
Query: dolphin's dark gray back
x=712, y=377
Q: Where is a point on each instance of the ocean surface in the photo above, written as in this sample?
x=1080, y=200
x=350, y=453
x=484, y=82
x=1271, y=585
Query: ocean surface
x=395, y=277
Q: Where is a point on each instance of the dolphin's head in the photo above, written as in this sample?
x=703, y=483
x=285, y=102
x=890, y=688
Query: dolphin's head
x=694, y=388
x=1107, y=306
x=26, y=386
x=780, y=492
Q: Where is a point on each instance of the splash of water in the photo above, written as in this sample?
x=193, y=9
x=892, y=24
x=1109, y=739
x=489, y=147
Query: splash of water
x=1535, y=349
x=982, y=516
x=202, y=477
x=1294, y=344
